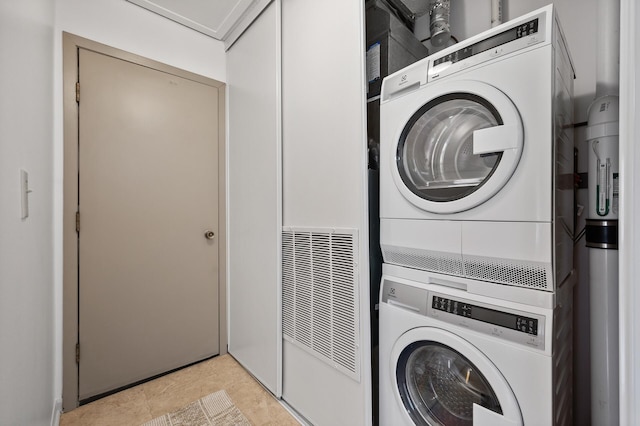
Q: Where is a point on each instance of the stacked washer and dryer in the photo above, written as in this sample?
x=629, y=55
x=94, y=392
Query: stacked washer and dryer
x=476, y=217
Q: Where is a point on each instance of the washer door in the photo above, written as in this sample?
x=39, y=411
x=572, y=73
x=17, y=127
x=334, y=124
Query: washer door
x=459, y=149
x=444, y=380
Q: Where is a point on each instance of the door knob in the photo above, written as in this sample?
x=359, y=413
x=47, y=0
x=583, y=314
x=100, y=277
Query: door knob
x=209, y=235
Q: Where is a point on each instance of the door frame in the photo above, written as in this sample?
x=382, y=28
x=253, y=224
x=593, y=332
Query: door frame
x=71, y=43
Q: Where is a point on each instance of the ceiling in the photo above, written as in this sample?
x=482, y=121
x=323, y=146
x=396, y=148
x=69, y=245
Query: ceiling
x=215, y=18
x=226, y=19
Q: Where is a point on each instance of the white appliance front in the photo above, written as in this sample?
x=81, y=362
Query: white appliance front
x=477, y=134
x=448, y=357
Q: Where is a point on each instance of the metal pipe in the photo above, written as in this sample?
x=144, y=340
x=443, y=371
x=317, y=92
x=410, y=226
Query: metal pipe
x=604, y=194
x=608, y=48
x=439, y=22
x=496, y=13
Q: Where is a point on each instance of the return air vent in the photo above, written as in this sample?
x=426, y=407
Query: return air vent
x=320, y=295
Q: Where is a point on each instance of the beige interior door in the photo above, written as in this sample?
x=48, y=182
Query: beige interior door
x=148, y=194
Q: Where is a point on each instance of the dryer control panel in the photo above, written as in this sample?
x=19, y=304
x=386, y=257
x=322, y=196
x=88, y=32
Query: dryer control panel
x=493, y=42
x=525, y=32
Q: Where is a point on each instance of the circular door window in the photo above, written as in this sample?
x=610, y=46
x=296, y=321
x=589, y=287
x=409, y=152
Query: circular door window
x=439, y=386
x=443, y=379
x=458, y=149
x=435, y=154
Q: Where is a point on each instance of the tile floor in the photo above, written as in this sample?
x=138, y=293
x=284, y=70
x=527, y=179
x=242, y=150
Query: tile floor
x=168, y=393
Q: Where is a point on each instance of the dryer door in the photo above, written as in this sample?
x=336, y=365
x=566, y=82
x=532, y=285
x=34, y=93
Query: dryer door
x=459, y=149
x=444, y=380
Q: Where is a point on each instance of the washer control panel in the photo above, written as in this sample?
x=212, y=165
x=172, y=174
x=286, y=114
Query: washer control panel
x=510, y=324
x=516, y=322
x=526, y=328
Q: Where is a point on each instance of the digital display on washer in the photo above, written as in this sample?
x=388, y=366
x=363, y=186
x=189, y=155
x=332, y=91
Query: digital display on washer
x=507, y=36
x=491, y=316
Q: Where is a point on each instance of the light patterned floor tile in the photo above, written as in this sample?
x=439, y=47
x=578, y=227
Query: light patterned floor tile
x=173, y=391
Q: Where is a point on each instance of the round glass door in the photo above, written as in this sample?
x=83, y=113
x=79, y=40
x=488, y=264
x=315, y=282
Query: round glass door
x=439, y=386
x=435, y=153
x=458, y=147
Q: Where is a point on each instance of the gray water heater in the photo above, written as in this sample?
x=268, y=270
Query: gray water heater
x=391, y=44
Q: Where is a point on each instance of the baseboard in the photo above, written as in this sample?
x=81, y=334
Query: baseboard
x=299, y=417
x=55, y=414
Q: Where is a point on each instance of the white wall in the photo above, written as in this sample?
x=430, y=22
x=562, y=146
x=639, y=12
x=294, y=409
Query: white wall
x=125, y=26
x=129, y=27
x=630, y=206
x=26, y=246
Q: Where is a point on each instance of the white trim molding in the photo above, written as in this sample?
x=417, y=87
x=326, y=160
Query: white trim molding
x=56, y=412
x=629, y=231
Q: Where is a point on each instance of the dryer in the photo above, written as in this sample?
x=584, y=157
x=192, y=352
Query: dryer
x=448, y=357
x=476, y=161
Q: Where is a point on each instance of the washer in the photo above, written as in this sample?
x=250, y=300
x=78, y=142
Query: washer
x=448, y=357
x=476, y=163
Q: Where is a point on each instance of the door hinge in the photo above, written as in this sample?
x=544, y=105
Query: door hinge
x=78, y=91
x=77, y=353
x=78, y=222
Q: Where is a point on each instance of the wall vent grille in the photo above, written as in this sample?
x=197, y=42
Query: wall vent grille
x=320, y=295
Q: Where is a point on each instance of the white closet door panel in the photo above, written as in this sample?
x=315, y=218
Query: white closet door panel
x=324, y=154
x=255, y=336
x=324, y=139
